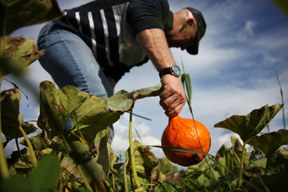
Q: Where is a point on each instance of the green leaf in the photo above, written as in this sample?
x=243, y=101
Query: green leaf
x=11, y=119
x=162, y=170
x=53, y=107
x=146, y=92
x=10, y=100
x=149, y=159
x=113, y=159
x=43, y=178
x=250, y=125
x=237, y=151
x=138, y=159
x=268, y=143
x=186, y=81
x=16, y=54
x=228, y=159
x=121, y=102
x=16, y=14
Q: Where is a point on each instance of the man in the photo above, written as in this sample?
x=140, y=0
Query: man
x=93, y=45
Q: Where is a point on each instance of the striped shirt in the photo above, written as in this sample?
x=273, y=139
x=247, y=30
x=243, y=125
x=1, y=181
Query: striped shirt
x=109, y=30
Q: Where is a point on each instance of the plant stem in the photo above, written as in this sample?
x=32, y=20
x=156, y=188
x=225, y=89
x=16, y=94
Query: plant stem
x=109, y=186
x=86, y=183
x=3, y=163
x=267, y=164
x=240, y=178
x=30, y=148
x=113, y=181
x=131, y=151
x=282, y=101
x=125, y=176
x=59, y=155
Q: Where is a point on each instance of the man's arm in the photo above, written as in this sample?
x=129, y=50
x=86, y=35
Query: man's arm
x=154, y=42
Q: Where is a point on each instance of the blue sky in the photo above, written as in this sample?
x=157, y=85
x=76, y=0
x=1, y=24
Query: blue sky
x=245, y=45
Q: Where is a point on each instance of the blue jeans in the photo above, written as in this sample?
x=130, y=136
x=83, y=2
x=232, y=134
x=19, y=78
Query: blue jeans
x=70, y=61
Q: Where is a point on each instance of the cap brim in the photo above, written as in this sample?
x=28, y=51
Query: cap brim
x=193, y=50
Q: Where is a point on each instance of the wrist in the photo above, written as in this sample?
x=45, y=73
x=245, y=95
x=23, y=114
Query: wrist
x=172, y=70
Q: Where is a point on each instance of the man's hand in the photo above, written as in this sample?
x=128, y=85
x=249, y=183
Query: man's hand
x=172, y=98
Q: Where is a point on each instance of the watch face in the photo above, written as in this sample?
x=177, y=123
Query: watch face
x=176, y=70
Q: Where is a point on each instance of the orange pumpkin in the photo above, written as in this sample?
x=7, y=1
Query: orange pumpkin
x=185, y=134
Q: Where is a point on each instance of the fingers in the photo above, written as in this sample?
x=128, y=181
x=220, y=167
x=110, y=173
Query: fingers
x=172, y=105
x=173, y=111
x=172, y=98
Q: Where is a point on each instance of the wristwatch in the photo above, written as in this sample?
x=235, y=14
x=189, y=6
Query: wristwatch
x=173, y=70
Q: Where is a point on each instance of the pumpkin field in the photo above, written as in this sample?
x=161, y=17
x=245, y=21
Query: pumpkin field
x=82, y=159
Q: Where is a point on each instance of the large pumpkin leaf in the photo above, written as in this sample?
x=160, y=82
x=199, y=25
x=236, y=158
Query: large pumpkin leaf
x=16, y=14
x=53, y=104
x=16, y=53
x=268, y=143
x=250, y=125
x=89, y=114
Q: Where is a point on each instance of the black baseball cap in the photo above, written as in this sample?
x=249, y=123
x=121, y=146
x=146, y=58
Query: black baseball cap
x=201, y=28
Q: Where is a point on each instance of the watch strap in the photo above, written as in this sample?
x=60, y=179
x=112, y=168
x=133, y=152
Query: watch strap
x=172, y=70
x=165, y=71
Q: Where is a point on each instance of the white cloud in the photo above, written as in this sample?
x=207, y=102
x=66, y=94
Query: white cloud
x=121, y=139
x=210, y=61
x=225, y=139
x=249, y=27
x=247, y=32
